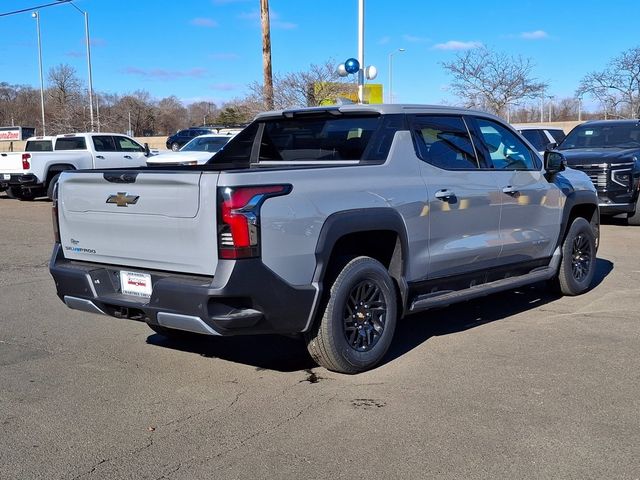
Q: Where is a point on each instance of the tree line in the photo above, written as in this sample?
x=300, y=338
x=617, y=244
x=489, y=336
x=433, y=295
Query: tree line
x=480, y=78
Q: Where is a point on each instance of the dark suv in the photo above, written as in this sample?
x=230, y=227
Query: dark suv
x=609, y=152
x=177, y=140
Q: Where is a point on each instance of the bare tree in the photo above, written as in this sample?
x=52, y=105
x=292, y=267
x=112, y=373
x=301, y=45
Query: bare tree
x=491, y=80
x=318, y=85
x=618, y=85
x=65, y=101
x=171, y=115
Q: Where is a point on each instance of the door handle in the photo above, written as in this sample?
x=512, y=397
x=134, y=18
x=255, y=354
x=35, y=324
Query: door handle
x=128, y=156
x=509, y=190
x=445, y=194
x=100, y=157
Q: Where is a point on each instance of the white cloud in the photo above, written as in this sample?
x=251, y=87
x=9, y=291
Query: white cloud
x=535, y=35
x=457, y=45
x=204, y=22
x=415, y=39
x=384, y=40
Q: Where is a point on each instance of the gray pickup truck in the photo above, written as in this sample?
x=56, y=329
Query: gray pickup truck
x=331, y=223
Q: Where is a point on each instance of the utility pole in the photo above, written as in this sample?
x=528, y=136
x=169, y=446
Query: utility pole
x=361, y=51
x=266, y=54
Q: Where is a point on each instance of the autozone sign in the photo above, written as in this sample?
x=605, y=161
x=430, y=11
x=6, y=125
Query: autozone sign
x=12, y=134
x=9, y=135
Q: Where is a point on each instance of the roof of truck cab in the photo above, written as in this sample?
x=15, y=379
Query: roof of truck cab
x=382, y=109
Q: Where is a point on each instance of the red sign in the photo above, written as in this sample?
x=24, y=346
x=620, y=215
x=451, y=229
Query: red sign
x=10, y=135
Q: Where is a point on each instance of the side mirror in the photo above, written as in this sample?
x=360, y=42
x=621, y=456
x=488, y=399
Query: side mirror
x=147, y=152
x=554, y=162
x=551, y=146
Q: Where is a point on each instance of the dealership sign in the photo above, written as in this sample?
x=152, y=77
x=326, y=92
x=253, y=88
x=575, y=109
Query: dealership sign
x=13, y=134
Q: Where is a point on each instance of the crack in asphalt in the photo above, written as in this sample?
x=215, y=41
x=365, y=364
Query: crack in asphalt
x=103, y=461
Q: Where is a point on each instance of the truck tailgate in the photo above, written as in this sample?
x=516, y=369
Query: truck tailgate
x=161, y=220
x=11, y=162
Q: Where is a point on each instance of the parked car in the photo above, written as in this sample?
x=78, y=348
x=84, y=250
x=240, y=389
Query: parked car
x=176, y=141
x=540, y=136
x=609, y=152
x=330, y=223
x=35, y=172
x=197, y=152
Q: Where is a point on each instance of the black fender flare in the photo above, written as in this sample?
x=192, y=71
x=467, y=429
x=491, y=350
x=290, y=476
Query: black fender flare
x=575, y=199
x=339, y=224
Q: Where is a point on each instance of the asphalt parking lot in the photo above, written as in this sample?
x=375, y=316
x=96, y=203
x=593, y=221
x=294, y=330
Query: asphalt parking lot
x=517, y=385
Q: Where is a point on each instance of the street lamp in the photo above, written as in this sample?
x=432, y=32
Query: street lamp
x=37, y=17
x=391, y=72
x=86, y=33
x=551, y=98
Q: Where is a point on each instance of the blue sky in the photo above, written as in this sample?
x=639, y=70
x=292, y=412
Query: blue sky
x=211, y=49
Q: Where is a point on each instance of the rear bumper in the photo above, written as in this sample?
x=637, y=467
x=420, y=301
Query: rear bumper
x=244, y=297
x=18, y=180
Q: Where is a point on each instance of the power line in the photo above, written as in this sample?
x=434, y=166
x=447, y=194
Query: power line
x=15, y=12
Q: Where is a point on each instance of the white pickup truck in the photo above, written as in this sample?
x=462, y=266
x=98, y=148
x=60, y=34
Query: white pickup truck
x=34, y=172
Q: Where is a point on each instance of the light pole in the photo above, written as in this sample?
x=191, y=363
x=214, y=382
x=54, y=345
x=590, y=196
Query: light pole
x=391, y=72
x=37, y=17
x=86, y=34
x=580, y=108
x=551, y=97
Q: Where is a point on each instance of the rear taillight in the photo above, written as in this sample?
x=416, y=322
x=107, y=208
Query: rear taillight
x=25, y=161
x=239, y=218
x=54, y=214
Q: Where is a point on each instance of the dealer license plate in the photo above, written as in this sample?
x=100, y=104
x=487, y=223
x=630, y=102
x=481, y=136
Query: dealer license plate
x=7, y=176
x=134, y=283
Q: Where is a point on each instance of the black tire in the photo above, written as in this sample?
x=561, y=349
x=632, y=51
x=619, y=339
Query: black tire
x=358, y=321
x=175, y=146
x=20, y=194
x=52, y=185
x=634, y=218
x=578, y=263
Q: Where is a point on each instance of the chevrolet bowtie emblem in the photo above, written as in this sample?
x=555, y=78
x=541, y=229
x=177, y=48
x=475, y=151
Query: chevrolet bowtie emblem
x=122, y=199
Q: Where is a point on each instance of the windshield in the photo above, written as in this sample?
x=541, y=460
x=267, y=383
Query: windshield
x=205, y=144
x=603, y=136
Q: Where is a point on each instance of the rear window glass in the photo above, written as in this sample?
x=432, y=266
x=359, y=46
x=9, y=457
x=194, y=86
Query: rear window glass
x=71, y=143
x=558, y=135
x=313, y=139
x=537, y=138
x=39, y=146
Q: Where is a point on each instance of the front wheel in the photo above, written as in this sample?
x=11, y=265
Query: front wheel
x=578, y=259
x=175, y=146
x=359, y=319
x=634, y=218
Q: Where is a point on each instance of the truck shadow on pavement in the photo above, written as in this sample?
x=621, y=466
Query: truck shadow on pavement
x=289, y=354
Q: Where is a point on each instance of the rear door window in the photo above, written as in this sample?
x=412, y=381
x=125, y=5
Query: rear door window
x=104, y=143
x=444, y=141
x=558, y=135
x=71, y=143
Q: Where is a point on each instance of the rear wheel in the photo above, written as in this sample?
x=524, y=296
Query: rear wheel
x=52, y=186
x=20, y=194
x=359, y=319
x=578, y=259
